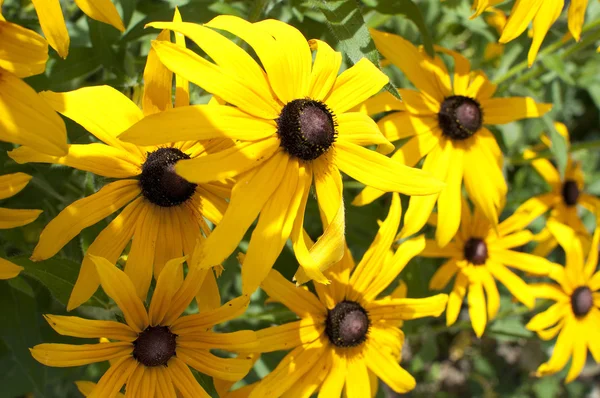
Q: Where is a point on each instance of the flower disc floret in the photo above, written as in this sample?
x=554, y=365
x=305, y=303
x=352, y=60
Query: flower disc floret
x=347, y=324
x=306, y=128
x=582, y=301
x=570, y=192
x=159, y=182
x=476, y=251
x=460, y=117
x=154, y=346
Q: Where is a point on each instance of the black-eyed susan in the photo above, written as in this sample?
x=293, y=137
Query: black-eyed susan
x=575, y=316
x=347, y=335
x=542, y=14
x=152, y=350
x=445, y=123
x=25, y=118
x=292, y=127
x=53, y=24
x=10, y=185
x=478, y=256
x=564, y=199
x=163, y=213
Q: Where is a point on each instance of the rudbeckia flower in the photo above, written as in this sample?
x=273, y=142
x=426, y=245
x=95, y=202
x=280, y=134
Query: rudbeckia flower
x=152, y=350
x=10, y=185
x=163, y=213
x=292, y=127
x=575, y=316
x=347, y=335
x=543, y=14
x=567, y=193
x=478, y=255
x=25, y=118
x=444, y=121
x=53, y=24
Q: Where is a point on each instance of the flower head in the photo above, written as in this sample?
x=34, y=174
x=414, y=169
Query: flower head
x=346, y=333
x=478, y=255
x=162, y=212
x=445, y=122
x=575, y=315
x=291, y=122
x=25, y=118
x=10, y=185
x=152, y=350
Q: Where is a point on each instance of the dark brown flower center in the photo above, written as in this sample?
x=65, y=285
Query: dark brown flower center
x=476, y=251
x=460, y=117
x=154, y=346
x=570, y=192
x=159, y=182
x=582, y=301
x=347, y=324
x=306, y=128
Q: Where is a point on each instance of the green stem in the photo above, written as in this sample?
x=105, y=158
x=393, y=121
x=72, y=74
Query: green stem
x=257, y=10
x=551, y=49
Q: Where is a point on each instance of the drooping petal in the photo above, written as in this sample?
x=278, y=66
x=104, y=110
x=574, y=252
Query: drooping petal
x=119, y=287
x=548, y=318
x=513, y=283
x=521, y=15
x=333, y=385
x=112, y=381
x=448, y=203
x=562, y=350
x=183, y=379
x=542, y=22
x=576, y=16
x=53, y=25
x=477, y=311
x=66, y=355
x=357, y=378
x=158, y=82
x=103, y=11
x=506, y=110
x=90, y=329
x=8, y=270
x=523, y=261
x=298, y=300
x=23, y=52
x=306, y=385
x=26, y=119
x=83, y=213
x=491, y=293
x=386, y=367
x=12, y=184
x=12, y=218
x=443, y=275
x=455, y=298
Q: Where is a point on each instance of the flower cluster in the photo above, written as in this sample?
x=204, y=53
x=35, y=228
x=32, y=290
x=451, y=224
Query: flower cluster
x=185, y=183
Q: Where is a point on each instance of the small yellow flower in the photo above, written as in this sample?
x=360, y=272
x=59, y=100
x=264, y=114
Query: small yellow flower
x=53, y=24
x=10, y=185
x=575, y=316
x=445, y=122
x=567, y=193
x=162, y=213
x=347, y=335
x=151, y=352
x=477, y=256
x=25, y=118
x=291, y=122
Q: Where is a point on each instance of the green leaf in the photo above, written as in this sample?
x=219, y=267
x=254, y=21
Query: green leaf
x=347, y=24
x=59, y=276
x=559, y=145
x=508, y=329
x=411, y=11
x=20, y=330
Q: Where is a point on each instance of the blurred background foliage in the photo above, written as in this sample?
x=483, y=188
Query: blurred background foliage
x=447, y=362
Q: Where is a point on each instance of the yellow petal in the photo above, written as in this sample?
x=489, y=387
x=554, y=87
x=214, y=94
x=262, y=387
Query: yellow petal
x=11, y=184
x=158, y=82
x=399, y=125
x=83, y=213
x=578, y=360
x=386, y=367
x=548, y=291
x=355, y=85
x=182, y=85
x=506, y=110
x=90, y=329
x=243, y=340
x=360, y=129
x=442, y=276
x=513, y=283
x=164, y=386
x=114, y=378
x=311, y=380
x=333, y=384
x=117, y=286
x=100, y=159
x=571, y=244
x=109, y=244
x=543, y=20
x=190, y=324
x=382, y=102
x=548, y=318
x=562, y=350
x=455, y=298
x=233, y=369
x=183, y=379
x=491, y=293
x=65, y=355
x=521, y=15
x=101, y=110
x=8, y=270
x=592, y=260
x=298, y=300
x=27, y=120
x=53, y=25
x=208, y=297
x=378, y=171
x=576, y=16
x=522, y=261
x=273, y=228
x=289, y=335
x=166, y=286
x=405, y=309
x=11, y=218
x=103, y=11
x=526, y=213
x=324, y=70
x=24, y=52
x=86, y=388
x=357, y=378
x=477, y=311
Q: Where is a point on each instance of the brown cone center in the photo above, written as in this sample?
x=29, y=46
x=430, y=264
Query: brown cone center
x=347, y=324
x=476, y=251
x=582, y=301
x=155, y=346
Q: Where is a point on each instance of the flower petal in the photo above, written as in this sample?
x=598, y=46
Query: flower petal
x=405, y=309
x=357, y=378
x=523, y=261
x=27, y=120
x=83, y=213
x=298, y=300
x=24, y=52
x=548, y=318
x=442, y=276
x=183, y=380
x=506, y=110
x=112, y=381
x=8, y=270
x=526, y=213
x=449, y=202
x=400, y=125
x=119, y=287
x=562, y=350
x=477, y=312
x=513, y=283
x=166, y=285
x=521, y=15
x=360, y=129
x=103, y=11
x=232, y=369
x=333, y=385
x=289, y=335
x=242, y=340
x=542, y=22
x=324, y=70
x=576, y=17
x=158, y=82
x=12, y=184
x=66, y=355
x=90, y=329
x=11, y=218
x=202, y=322
x=382, y=102
x=455, y=298
x=53, y=25
x=386, y=367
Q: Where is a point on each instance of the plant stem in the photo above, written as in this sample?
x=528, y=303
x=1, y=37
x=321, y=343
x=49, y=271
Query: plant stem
x=257, y=10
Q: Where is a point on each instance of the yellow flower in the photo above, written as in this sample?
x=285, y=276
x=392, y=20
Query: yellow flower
x=346, y=336
x=566, y=194
x=10, y=185
x=163, y=213
x=576, y=313
x=477, y=256
x=53, y=24
x=292, y=127
x=151, y=352
x=543, y=14
x=445, y=123
x=479, y=6
x=24, y=117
